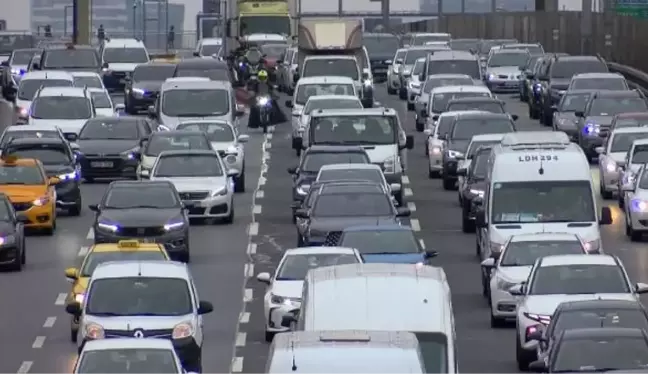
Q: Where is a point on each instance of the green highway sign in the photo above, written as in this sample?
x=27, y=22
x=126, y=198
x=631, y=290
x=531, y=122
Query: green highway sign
x=634, y=11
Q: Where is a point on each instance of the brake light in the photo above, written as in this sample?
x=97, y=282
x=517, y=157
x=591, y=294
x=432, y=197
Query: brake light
x=531, y=329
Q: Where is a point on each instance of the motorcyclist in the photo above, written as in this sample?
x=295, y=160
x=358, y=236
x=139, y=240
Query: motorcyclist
x=261, y=87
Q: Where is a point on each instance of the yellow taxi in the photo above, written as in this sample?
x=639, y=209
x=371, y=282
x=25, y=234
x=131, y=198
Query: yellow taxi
x=124, y=250
x=30, y=191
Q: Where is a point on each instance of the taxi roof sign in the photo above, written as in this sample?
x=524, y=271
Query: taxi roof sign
x=10, y=159
x=128, y=244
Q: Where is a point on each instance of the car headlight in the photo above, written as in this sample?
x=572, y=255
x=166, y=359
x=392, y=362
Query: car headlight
x=129, y=155
x=138, y=91
x=490, y=76
x=94, y=331
x=23, y=112
x=7, y=240
x=496, y=247
x=391, y=164
x=368, y=83
x=219, y=192
x=593, y=246
x=454, y=154
x=542, y=318
x=504, y=284
x=475, y=192
x=182, y=330
x=436, y=150
x=276, y=299
x=263, y=100
x=79, y=298
x=303, y=189
x=537, y=87
x=610, y=166
x=174, y=225
x=69, y=176
x=105, y=226
x=41, y=201
x=232, y=150
x=591, y=129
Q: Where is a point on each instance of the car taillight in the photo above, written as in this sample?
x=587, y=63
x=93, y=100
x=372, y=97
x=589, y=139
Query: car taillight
x=531, y=329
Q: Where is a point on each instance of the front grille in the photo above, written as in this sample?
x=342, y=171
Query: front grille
x=194, y=195
x=333, y=238
x=142, y=231
x=502, y=76
x=19, y=207
x=165, y=333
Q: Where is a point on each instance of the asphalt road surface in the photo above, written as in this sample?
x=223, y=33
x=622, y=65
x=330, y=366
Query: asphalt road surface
x=225, y=259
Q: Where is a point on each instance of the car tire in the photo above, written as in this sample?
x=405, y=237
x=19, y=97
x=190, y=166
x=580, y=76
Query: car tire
x=606, y=195
x=420, y=127
x=621, y=202
x=75, y=210
x=400, y=198
x=448, y=184
x=300, y=241
x=410, y=107
x=467, y=225
x=239, y=182
x=402, y=94
x=73, y=335
x=523, y=357
x=23, y=254
x=230, y=218
x=391, y=91
x=495, y=322
x=477, y=248
x=269, y=335
x=17, y=264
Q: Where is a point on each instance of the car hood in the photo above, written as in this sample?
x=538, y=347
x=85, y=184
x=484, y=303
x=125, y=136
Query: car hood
x=547, y=304
x=19, y=193
x=504, y=70
x=223, y=146
x=327, y=224
x=291, y=289
x=55, y=170
x=458, y=145
x=66, y=125
x=515, y=274
x=105, y=146
x=600, y=120
x=196, y=183
x=618, y=157
x=122, y=67
x=139, y=217
x=172, y=122
x=153, y=86
x=394, y=258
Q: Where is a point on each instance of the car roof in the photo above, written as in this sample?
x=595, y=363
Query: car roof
x=188, y=152
x=379, y=227
x=319, y=250
x=631, y=130
x=325, y=79
x=155, y=63
x=62, y=91
x=196, y=84
x=462, y=88
x=510, y=50
x=36, y=141
x=602, y=332
x=576, y=58
x=615, y=93
x=544, y=236
x=115, y=119
x=578, y=92
x=177, y=133
x=640, y=141
x=122, y=42
x=126, y=343
x=158, y=269
x=597, y=76
x=454, y=113
x=475, y=99
x=382, y=112
x=350, y=167
x=211, y=41
x=584, y=259
x=263, y=36
x=48, y=74
x=600, y=304
x=487, y=137
x=631, y=115
x=45, y=127
x=452, y=55
x=84, y=74
x=335, y=149
x=97, y=89
x=446, y=76
x=198, y=121
x=333, y=97
x=138, y=183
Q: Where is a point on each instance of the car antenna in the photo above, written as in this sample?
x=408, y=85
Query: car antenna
x=139, y=269
x=292, y=350
x=541, y=170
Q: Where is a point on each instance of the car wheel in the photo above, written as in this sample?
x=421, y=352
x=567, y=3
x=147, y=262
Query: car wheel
x=448, y=184
x=523, y=357
x=391, y=91
x=230, y=218
x=606, y=195
x=400, y=198
x=467, y=225
x=73, y=335
x=23, y=254
x=410, y=107
x=496, y=322
x=239, y=182
x=269, y=335
x=17, y=263
x=420, y=127
x=621, y=201
x=75, y=210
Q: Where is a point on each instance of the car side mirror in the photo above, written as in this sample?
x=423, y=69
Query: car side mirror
x=538, y=366
x=399, y=60
x=403, y=212
x=641, y=288
x=409, y=142
x=93, y=207
x=298, y=143
x=73, y=309
x=264, y=278
x=606, y=216
x=151, y=111
x=105, y=65
x=53, y=181
x=288, y=319
x=205, y=307
x=301, y=213
x=517, y=290
x=514, y=117
x=144, y=174
x=233, y=172
x=289, y=104
x=431, y=253
x=462, y=172
x=71, y=274
x=35, y=66
x=22, y=217
x=388, y=62
x=488, y=263
x=365, y=75
x=435, y=117
x=120, y=108
x=196, y=54
x=292, y=170
x=600, y=150
x=579, y=114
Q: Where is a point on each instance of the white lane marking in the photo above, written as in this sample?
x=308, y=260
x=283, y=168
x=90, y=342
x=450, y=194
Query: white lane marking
x=90, y=235
x=248, y=270
x=414, y=223
x=253, y=229
x=241, y=339
x=408, y=192
x=247, y=296
x=269, y=136
x=38, y=342
x=262, y=181
x=411, y=206
x=83, y=251
x=237, y=365
x=422, y=243
x=49, y=322
x=251, y=248
x=60, y=299
x=405, y=179
x=259, y=194
x=257, y=209
x=245, y=317
x=268, y=145
x=25, y=367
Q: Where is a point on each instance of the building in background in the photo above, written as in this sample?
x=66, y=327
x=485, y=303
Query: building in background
x=15, y=15
x=478, y=6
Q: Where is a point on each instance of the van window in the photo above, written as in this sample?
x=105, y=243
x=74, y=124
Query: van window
x=434, y=349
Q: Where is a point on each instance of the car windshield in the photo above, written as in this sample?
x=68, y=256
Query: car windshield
x=313, y=161
x=127, y=360
x=444, y=125
x=372, y=175
x=567, y=69
x=609, y=106
x=343, y=67
x=28, y=134
x=539, y=201
x=525, y=253
x=274, y=50
x=125, y=55
x=95, y=258
x=414, y=54
x=467, y=128
x=381, y=45
x=422, y=39
x=89, y=81
x=621, y=142
x=48, y=155
x=532, y=49
x=631, y=122
x=70, y=59
x=596, y=318
x=185, y=166
x=486, y=45
x=643, y=182
x=377, y=241
x=484, y=106
x=101, y=100
x=499, y=59
x=305, y=91
x=578, y=279
x=574, y=102
x=214, y=73
x=110, y=129
x=176, y=142
x=216, y=131
x=474, y=146
x=353, y=205
x=22, y=57
x=434, y=351
x=210, y=49
x=156, y=196
x=61, y=107
x=354, y=130
x=137, y=296
x=432, y=83
x=616, y=84
x=480, y=168
x=639, y=154
x=601, y=354
x=466, y=45
x=418, y=67
x=21, y=174
x=312, y=105
x=195, y=102
x=295, y=267
x=532, y=61
x=468, y=67
x=28, y=87
x=155, y=73
x=440, y=100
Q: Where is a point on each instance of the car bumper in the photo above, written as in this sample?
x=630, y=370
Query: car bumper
x=9, y=253
x=503, y=303
x=436, y=159
x=234, y=162
x=175, y=242
x=639, y=221
x=141, y=102
x=503, y=85
x=214, y=207
x=108, y=167
x=450, y=168
x=275, y=314
x=40, y=217
x=68, y=193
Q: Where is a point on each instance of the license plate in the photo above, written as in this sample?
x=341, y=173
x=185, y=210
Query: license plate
x=99, y=164
x=381, y=70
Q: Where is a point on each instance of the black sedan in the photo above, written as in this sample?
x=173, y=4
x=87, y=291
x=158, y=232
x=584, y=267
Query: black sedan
x=143, y=88
x=473, y=186
x=12, y=237
x=149, y=211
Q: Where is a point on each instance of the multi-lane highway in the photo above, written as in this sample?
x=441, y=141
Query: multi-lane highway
x=225, y=259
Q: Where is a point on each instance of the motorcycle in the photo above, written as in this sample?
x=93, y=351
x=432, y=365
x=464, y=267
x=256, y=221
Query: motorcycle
x=264, y=104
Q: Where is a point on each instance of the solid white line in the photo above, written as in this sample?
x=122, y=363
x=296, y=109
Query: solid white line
x=251, y=248
x=247, y=296
x=262, y=181
x=257, y=209
x=405, y=179
x=253, y=229
x=414, y=223
x=411, y=206
x=60, y=299
x=241, y=339
x=237, y=365
x=244, y=318
x=422, y=243
x=38, y=342
x=25, y=366
x=259, y=194
x=83, y=251
x=408, y=192
x=90, y=234
x=268, y=145
x=269, y=136
x=49, y=322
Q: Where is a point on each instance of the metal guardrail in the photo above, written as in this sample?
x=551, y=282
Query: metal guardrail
x=637, y=79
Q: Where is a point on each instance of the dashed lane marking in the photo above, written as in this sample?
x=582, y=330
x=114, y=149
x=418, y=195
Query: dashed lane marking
x=257, y=209
x=248, y=295
x=248, y=270
x=237, y=365
x=408, y=192
x=259, y=194
x=90, y=235
x=414, y=223
x=253, y=229
x=241, y=339
x=49, y=322
x=422, y=243
x=405, y=179
x=252, y=248
x=411, y=206
x=25, y=367
x=245, y=317
x=83, y=251
x=38, y=342
x=60, y=299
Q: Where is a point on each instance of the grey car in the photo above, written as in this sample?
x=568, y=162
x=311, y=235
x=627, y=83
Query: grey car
x=503, y=71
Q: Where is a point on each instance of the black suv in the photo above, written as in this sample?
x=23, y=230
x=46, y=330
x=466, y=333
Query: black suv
x=555, y=76
x=474, y=186
x=143, y=87
x=67, y=57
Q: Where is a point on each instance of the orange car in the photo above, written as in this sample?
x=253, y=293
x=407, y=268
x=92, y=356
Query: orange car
x=30, y=191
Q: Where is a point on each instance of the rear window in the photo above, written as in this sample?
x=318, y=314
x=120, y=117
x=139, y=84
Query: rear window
x=567, y=69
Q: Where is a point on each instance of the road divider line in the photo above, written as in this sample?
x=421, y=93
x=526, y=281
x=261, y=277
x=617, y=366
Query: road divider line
x=241, y=339
x=408, y=192
x=253, y=229
x=248, y=270
x=257, y=209
x=268, y=146
x=422, y=243
x=38, y=342
x=49, y=322
x=248, y=295
x=259, y=194
x=414, y=223
x=251, y=248
x=60, y=299
x=405, y=179
x=262, y=181
x=83, y=251
x=237, y=365
x=90, y=235
x=411, y=206
x=25, y=367
x=244, y=317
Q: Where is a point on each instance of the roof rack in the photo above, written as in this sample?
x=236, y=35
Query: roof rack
x=536, y=140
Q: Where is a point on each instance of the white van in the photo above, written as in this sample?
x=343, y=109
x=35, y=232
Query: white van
x=372, y=297
x=538, y=181
x=354, y=352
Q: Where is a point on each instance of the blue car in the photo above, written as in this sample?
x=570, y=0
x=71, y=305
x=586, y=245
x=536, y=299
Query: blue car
x=383, y=243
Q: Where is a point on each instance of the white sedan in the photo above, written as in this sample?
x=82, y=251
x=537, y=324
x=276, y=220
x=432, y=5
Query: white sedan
x=284, y=292
x=612, y=157
x=87, y=79
x=128, y=355
x=636, y=206
x=103, y=104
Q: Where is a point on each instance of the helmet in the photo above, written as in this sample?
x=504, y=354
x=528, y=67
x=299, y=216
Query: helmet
x=263, y=75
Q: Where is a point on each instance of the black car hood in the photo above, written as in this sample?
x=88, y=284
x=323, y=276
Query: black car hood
x=54, y=170
x=559, y=84
x=306, y=177
x=459, y=145
x=139, y=217
x=7, y=228
x=328, y=224
x=153, y=86
x=106, y=146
